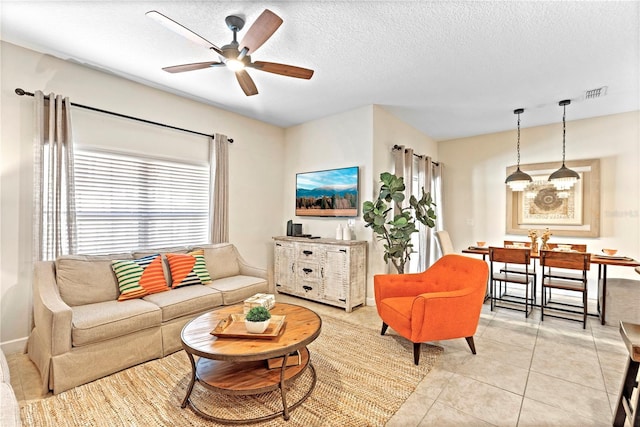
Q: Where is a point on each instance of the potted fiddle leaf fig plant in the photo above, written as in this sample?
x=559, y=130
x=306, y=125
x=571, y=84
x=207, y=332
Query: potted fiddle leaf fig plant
x=257, y=320
x=395, y=229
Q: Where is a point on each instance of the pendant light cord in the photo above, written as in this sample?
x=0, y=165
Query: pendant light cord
x=564, y=130
x=518, y=144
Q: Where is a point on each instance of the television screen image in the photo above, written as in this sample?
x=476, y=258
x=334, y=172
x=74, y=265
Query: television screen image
x=331, y=192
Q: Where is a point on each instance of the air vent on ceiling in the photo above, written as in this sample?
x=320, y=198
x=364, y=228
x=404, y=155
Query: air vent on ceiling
x=595, y=93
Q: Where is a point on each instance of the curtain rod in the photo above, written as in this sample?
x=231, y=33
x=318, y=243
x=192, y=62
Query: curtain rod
x=22, y=92
x=398, y=147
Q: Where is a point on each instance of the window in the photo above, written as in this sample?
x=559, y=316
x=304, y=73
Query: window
x=124, y=202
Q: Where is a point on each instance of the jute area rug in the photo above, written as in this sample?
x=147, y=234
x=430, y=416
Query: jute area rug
x=362, y=380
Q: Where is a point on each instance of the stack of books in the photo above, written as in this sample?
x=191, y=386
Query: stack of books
x=294, y=359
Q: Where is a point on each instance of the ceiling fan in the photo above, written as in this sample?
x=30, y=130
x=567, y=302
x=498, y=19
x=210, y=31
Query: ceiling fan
x=236, y=56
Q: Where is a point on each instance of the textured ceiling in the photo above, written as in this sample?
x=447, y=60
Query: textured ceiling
x=449, y=68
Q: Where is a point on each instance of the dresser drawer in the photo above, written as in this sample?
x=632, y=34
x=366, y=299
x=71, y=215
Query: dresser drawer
x=308, y=270
x=307, y=252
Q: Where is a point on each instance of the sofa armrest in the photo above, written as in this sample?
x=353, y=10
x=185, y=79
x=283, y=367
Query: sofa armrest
x=52, y=316
x=249, y=270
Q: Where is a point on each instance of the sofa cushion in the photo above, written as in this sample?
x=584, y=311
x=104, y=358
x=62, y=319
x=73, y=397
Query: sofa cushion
x=139, y=253
x=139, y=277
x=105, y=320
x=238, y=288
x=185, y=300
x=221, y=259
x=188, y=269
x=87, y=279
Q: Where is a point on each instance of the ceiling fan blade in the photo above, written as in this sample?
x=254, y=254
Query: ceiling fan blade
x=283, y=69
x=264, y=27
x=181, y=29
x=194, y=66
x=246, y=83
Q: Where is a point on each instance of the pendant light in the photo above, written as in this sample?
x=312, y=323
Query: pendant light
x=518, y=180
x=564, y=178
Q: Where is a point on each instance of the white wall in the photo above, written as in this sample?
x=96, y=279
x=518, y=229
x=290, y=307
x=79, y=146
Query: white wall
x=255, y=158
x=475, y=170
x=336, y=141
x=362, y=137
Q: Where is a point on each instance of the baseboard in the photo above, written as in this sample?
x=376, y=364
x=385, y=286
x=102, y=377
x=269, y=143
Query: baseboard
x=14, y=346
x=370, y=302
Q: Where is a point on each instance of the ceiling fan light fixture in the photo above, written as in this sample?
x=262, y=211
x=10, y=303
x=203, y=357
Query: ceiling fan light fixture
x=236, y=56
x=518, y=181
x=235, y=65
x=564, y=178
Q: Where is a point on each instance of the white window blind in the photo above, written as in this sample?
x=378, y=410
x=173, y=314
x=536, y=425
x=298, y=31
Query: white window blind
x=126, y=202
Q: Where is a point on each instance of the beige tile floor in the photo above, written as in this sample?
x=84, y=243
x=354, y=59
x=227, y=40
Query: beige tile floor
x=525, y=373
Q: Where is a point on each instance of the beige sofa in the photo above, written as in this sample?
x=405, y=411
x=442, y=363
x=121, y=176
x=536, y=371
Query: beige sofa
x=9, y=409
x=82, y=332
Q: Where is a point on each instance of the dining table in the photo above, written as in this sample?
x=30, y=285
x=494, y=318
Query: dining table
x=602, y=261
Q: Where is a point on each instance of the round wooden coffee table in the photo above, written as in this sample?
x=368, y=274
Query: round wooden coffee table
x=238, y=366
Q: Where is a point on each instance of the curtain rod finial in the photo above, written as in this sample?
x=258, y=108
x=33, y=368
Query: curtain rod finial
x=20, y=91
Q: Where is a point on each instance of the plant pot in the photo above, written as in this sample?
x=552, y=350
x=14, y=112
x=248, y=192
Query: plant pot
x=257, y=327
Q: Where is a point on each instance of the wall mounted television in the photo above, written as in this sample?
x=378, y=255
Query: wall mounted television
x=328, y=193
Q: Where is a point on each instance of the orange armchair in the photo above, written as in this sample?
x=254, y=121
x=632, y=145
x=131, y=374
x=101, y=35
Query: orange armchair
x=441, y=303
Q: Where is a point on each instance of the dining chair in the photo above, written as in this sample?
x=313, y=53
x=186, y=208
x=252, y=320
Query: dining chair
x=566, y=274
x=520, y=269
x=444, y=242
x=511, y=257
x=553, y=265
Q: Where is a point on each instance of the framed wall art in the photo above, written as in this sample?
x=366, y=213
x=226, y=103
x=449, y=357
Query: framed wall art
x=574, y=212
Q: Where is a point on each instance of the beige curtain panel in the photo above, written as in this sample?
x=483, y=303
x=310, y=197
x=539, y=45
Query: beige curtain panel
x=54, y=189
x=219, y=200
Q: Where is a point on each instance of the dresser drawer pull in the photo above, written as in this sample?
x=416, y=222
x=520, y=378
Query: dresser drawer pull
x=342, y=299
x=307, y=252
x=307, y=270
x=307, y=288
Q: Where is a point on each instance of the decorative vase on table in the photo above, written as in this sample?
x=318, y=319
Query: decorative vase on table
x=257, y=320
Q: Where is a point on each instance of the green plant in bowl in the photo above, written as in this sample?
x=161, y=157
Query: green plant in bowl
x=257, y=314
x=257, y=320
